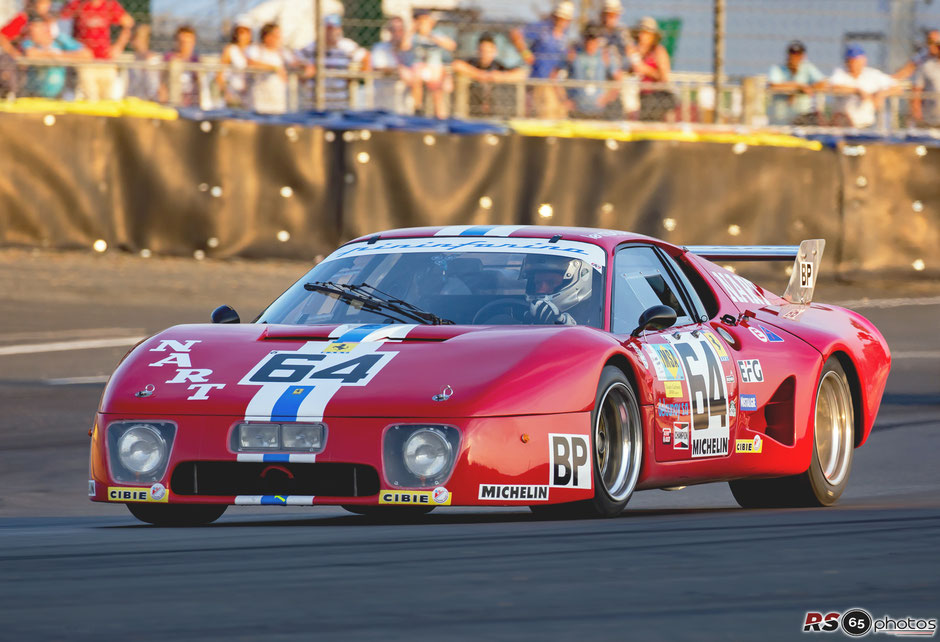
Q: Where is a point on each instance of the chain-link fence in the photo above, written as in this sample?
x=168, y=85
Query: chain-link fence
x=589, y=59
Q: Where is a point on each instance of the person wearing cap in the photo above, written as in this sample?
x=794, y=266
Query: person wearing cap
x=926, y=111
x=860, y=90
x=341, y=54
x=616, y=38
x=792, y=85
x=429, y=49
x=931, y=42
x=593, y=63
x=544, y=47
x=650, y=61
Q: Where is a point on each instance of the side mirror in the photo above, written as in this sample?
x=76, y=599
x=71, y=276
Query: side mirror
x=227, y=314
x=658, y=317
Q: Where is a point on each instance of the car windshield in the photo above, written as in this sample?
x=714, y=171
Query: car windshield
x=500, y=281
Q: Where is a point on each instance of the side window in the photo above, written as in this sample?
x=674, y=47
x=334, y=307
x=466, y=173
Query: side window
x=640, y=282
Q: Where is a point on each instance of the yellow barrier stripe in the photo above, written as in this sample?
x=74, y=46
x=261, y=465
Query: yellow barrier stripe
x=579, y=129
x=133, y=107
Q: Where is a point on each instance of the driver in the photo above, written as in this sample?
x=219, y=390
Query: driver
x=555, y=284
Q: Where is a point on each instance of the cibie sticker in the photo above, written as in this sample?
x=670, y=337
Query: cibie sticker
x=416, y=497
x=751, y=372
x=155, y=493
x=570, y=458
x=749, y=445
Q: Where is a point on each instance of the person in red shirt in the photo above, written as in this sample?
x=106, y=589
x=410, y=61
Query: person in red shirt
x=13, y=31
x=91, y=26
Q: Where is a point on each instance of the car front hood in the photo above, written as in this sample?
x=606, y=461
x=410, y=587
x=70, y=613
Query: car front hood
x=272, y=372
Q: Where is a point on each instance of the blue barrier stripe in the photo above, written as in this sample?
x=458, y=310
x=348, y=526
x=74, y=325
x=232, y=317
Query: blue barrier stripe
x=478, y=230
x=276, y=457
x=288, y=404
x=358, y=334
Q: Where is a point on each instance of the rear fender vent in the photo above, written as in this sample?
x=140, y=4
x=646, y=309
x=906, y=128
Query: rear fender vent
x=779, y=413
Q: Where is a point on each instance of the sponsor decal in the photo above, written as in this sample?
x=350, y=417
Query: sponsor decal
x=570, y=457
x=806, y=274
x=751, y=371
x=748, y=403
x=667, y=435
x=753, y=446
x=708, y=395
x=680, y=409
x=416, y=497
x=771, y=336
x=339, y=346
x=156, y=493
x=730, y=378
x=792, y=312
x=670, y=360
x=673, y=389
x=593, y=254
x=680, y=436
x=513, y=492
x=757, y=332
x=642, y=358
x=717, y=345
x=732, y=409
x=856, y=622
x=739, y=289
x=91, y=487
x=180, y=357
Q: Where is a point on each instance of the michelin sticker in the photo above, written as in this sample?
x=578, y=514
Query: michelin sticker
x=300, y=383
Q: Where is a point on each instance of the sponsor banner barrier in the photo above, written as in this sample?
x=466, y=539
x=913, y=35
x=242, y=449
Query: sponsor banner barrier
x=233, y=187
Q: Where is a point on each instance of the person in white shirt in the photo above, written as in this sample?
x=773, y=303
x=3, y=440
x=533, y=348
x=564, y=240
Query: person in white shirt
x=269, y=91
x=234, y=84
x=860, y=90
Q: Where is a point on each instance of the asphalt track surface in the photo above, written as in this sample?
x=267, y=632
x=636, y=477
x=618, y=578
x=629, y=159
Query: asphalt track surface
x=685, y=565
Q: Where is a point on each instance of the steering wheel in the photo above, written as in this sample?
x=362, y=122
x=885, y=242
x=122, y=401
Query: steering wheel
x=486, y=311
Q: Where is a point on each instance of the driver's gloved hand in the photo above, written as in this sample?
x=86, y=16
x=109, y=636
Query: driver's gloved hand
x=565, y=319
x=544, y=312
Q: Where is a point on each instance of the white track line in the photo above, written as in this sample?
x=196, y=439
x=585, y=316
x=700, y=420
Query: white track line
x=916, y=354
x=76, y=381
x=859, y=304
x=62, y=346
x=77, y=333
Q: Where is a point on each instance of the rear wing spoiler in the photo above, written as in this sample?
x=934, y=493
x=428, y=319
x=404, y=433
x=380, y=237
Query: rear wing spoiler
x=806, y=258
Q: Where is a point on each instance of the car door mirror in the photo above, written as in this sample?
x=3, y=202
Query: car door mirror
x=658, y=317
x=225, y=314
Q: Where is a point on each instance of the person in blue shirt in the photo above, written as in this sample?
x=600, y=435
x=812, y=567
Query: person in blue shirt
x=544, y=47
x=931, y=40
x=792, y=85
x=593, y=62
x=49, y=82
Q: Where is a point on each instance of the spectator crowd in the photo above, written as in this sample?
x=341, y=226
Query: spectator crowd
x=415, y=68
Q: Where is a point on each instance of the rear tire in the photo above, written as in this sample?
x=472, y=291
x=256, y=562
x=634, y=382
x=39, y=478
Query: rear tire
x=617, y=437
x=833, y=449
x=177, y=514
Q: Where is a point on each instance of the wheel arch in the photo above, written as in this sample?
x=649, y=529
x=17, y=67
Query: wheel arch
x=855, y=386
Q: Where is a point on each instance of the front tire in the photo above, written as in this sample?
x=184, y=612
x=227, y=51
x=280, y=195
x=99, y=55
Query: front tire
x=833, y=449
x=177, y=514
x=617, y=432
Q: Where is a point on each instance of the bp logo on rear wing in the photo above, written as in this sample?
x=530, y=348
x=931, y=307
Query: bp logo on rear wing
x=806, y=258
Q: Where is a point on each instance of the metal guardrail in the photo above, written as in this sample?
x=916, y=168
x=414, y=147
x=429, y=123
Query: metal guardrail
x=686, y=99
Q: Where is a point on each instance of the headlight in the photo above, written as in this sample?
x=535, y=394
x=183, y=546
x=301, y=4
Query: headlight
x=139, y=451
x=426, y=453
x=250, y=437
x=419, y=455
x=258, y=436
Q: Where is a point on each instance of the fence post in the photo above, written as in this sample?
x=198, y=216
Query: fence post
x=719, y=55
x=175, y=82
x=320, y=30
x=293, y=92
x=461, y=96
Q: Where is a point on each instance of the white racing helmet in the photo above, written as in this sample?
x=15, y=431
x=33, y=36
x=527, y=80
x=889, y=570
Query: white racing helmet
x=563, y=281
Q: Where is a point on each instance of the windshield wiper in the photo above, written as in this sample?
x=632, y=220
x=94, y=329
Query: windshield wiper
x=373, y=299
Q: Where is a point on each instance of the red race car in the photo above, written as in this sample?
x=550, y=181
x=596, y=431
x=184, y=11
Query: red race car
x=556, y=368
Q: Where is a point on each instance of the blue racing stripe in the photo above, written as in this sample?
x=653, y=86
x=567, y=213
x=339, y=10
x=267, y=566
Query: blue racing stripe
x=288, y=404
x=478, y=230
x=274, y=500
x=277, y=457
x=358, y=334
